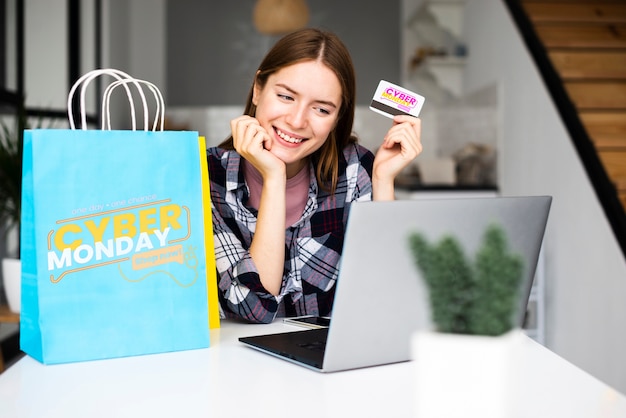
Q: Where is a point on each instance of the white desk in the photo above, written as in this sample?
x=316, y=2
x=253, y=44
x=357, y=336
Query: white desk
x=231, y=380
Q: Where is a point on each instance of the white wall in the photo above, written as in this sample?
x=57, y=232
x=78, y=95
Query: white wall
x=45, y=58
x=134, y=42
x=134, y=38
x=585, y=269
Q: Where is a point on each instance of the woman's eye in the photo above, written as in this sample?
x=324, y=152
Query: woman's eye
x=285, y=97
x=323, y=111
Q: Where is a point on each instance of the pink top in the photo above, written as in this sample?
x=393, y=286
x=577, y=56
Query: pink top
x=297, y=191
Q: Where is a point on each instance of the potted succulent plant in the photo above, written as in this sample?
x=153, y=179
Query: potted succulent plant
x=477, y=298
x=11, y=147
x=466, y=366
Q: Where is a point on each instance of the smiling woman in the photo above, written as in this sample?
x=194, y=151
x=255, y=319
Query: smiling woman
x=283, y=182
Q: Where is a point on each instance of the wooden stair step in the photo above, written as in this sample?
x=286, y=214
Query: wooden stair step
x=607, y=142
x=587, y=12
x=614, y=163
x=597, y=95
x=587, y=36
x=620, y=185
x=573, y=65
x=607, y=129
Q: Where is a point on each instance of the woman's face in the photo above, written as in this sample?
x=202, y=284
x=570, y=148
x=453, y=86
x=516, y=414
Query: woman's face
x=298, y=107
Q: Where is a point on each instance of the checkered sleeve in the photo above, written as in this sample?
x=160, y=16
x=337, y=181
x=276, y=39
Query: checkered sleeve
x=313, y=245
x=241, y=293
x=360, y=163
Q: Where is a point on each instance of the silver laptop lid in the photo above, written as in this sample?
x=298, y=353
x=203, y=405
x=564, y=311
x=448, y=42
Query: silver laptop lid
x=381, y=298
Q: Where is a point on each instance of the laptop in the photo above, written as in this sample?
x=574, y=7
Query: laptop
x=381, y=298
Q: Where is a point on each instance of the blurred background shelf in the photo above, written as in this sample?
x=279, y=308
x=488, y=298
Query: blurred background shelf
x=9, y=338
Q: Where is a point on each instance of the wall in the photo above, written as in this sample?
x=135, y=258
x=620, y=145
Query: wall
x=45, y=57
x=213, y=48
x=585, y=269
x=134, y=42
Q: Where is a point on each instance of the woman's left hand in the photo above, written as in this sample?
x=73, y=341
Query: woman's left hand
x=399, y=148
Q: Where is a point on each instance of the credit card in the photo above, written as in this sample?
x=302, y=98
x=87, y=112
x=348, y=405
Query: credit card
x=390, y=100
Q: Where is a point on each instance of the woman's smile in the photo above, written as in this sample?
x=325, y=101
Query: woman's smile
x=291, y=138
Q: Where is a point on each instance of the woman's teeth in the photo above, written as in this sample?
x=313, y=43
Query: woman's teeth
x=288, y=138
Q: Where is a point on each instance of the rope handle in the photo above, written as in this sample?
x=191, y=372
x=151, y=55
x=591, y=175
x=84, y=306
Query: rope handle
x=122, y=79
x=158, y=98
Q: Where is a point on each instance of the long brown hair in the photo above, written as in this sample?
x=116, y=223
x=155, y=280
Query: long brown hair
x=312, y=44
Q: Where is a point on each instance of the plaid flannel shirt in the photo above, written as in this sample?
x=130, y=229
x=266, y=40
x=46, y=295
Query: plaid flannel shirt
x=313, y=244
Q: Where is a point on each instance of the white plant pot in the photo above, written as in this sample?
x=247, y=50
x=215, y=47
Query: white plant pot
x=466, y=375
x=12, y=281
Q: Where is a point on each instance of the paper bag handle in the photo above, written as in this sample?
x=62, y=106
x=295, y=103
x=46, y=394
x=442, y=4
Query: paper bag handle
x=84, y=82
x=158, y=97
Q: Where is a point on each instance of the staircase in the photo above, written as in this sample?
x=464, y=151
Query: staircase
x=579, y=47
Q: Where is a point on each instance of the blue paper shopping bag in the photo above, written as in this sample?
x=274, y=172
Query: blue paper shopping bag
x=113, y=251
x=114, y=259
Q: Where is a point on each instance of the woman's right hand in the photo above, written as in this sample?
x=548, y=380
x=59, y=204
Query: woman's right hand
x=267, y=248
x=253, y=143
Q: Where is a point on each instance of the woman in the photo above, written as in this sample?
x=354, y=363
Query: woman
x=282, y=184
